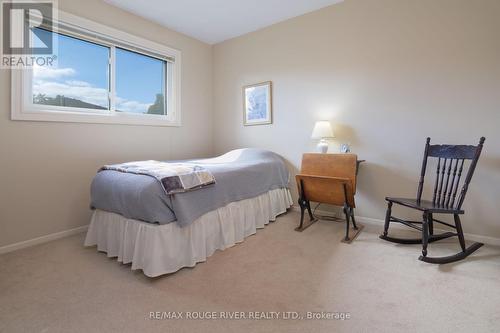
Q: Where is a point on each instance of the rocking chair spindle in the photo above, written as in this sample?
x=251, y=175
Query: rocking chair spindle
x=450, y=166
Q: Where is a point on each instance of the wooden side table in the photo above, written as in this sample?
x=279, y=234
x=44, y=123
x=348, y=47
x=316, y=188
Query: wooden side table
x=321, y=180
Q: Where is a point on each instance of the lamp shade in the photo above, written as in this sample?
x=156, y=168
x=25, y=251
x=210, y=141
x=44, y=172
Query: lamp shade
x=322, y=130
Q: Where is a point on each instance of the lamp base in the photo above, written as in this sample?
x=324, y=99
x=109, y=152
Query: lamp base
x=322, y=146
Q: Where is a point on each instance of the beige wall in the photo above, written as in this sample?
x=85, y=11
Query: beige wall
x=46, y=168
x=388, y=73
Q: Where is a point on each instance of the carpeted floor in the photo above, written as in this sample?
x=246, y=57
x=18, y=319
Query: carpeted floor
x=63, y=287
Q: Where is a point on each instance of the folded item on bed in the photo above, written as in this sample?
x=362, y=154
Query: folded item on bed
x=173, y=177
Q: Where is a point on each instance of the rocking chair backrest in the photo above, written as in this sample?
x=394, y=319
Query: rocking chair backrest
x=450, y=166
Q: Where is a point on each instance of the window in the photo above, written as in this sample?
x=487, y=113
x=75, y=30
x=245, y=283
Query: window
x=99, y=78
x=140, y=83
x=80, y=79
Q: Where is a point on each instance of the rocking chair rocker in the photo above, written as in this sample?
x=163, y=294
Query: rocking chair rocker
x=450, y=165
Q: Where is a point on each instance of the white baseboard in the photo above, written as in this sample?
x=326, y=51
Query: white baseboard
x=42, y=239
x=378, y=222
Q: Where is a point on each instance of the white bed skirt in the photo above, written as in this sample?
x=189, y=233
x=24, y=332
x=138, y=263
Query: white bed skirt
x=161, y=249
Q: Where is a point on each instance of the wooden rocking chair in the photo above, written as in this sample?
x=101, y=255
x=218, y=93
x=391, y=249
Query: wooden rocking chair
x=450, y=165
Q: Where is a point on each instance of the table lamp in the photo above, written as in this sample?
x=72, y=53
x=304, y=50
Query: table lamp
x=322, y=131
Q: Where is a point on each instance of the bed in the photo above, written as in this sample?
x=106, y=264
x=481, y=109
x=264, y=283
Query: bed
x=137, y=222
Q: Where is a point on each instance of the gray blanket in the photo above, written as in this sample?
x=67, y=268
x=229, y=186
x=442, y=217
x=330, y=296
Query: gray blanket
x=240, y=174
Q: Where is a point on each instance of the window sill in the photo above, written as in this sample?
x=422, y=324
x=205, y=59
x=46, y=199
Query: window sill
x=95, y=118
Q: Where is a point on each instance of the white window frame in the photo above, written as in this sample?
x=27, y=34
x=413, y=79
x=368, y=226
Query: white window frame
x=23, y=108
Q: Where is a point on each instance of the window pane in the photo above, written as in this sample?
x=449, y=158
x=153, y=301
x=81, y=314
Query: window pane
x=80, y=79
x=140, y=83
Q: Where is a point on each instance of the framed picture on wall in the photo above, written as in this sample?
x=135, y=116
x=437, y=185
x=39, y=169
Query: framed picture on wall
x=257, y=104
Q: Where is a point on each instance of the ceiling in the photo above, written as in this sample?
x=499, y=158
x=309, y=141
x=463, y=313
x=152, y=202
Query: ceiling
x=213, y=21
